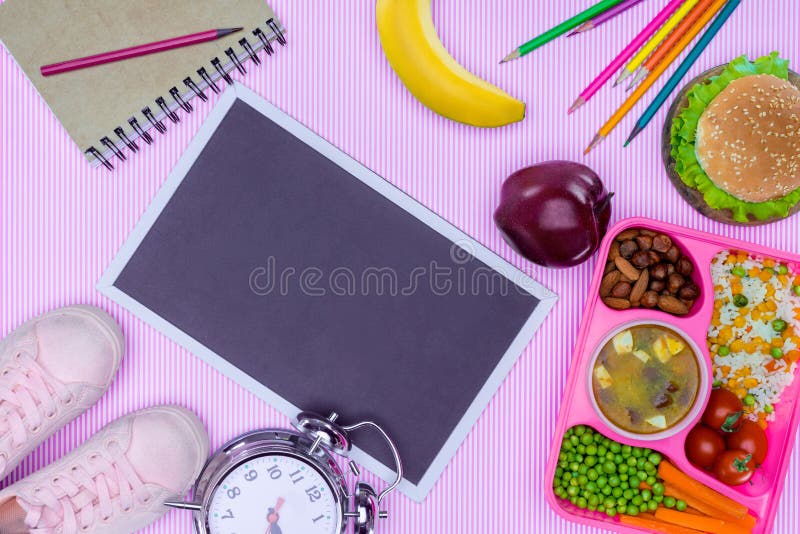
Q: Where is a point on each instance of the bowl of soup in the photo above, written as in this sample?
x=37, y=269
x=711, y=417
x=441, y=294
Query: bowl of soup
x=647, y=380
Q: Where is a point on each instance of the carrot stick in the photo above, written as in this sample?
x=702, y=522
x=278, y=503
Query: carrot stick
x=748, y=521
x=649, y=522
x=702, y=523
x=675, y=477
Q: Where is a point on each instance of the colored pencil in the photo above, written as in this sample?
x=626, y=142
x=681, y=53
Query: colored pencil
x=136, y=51
x=648, y=82
x=656, y=57
x=684, y=67
x=625, y=55
x=561, y=29
x=602, y=18
x=659, y=36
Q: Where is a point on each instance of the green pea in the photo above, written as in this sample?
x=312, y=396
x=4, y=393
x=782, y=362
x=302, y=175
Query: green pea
x=591, y=487
x=582, y=504
x=749, y=400
x=623, y=477
x=623, y=468
x=608, y=502
x=579, y=430
x=658, y=498
x=582, y=480
x=632, y=510
x=611, y=512
x=574, y=440
x=634, y=482
x=723, y=350
x=658, y=488
x=631, y=461
x=651, y=480
x=654, y=458
x=637, y=500
x=628, y=494
x=591, y=449
x=739, y=271
x=615, y=447
x=779, y=325
x=626, y=450
x=769, y=408
x=609, y=467
x=601, y=481
x=740, y=300
x=646, y=495
x=637, y=452
x=652, y=506
x=601, y=450
x=669, y=502
x=592, y=474
x=776, y=353
x=782, y=269
x=590, y=460
x=601, y=509
x=587, y=439
x=616, y=492
x=770, y=270
x=618, y=459
x=796, y=290
x=716, y=384
x=606, y=490
x=613, y=481
x=594, y=500
x=583, y=469
x=680, y=505
x=643, y=507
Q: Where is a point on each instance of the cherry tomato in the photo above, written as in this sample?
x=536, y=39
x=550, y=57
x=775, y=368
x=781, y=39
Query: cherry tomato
x=734, y=467
x=703, y=445
x=750, y=438
x=724, y=411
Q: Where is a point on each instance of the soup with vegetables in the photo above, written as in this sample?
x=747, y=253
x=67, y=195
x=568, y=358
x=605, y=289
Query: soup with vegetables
x=646, y=379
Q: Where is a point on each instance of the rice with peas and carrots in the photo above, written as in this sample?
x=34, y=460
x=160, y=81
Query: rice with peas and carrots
x=754, y=337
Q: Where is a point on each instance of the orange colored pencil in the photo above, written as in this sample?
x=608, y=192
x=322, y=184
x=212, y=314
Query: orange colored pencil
x=648, y=82
x=667, y=44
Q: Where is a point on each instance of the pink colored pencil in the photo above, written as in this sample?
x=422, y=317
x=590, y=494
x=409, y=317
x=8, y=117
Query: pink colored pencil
x=626, y=54
x=136, y=51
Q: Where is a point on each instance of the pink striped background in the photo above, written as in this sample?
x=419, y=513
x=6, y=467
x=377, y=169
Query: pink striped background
x=61, y=222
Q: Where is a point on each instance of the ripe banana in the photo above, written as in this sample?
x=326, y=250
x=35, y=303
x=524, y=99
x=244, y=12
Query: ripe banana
x=431, y=74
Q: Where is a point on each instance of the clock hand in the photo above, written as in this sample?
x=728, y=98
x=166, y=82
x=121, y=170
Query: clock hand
x=272, y=517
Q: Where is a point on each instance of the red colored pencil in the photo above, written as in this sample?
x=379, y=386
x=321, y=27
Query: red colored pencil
x=136, y=51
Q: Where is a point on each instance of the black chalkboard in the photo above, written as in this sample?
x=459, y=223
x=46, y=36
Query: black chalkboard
x=304, y=277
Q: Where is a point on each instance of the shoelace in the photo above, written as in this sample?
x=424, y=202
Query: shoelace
x=73, y=501
x=27, y=395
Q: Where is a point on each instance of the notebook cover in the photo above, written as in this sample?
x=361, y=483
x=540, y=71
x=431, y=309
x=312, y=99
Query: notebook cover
x=319, y=286
x=90, y=103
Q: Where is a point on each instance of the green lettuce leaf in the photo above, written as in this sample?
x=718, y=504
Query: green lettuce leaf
x=684, y=129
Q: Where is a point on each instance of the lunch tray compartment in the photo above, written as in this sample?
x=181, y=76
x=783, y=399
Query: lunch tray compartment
x=762, y=494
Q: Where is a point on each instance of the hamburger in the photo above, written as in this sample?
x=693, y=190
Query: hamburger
x=736, y=145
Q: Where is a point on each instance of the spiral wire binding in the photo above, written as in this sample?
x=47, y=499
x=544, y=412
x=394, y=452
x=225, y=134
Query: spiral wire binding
x=180, y=102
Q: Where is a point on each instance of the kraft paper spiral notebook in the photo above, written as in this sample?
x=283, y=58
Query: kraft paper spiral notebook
x=313, y=282
x=109, y=110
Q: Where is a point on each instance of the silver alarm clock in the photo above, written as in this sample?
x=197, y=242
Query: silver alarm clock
x=281, y=481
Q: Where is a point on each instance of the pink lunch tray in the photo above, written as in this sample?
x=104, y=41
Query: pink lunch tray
x=761, y=497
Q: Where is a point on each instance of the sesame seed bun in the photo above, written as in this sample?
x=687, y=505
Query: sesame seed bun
x=748, y=138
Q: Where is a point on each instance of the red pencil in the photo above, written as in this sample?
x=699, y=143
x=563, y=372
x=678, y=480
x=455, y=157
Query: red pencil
x=136, y=51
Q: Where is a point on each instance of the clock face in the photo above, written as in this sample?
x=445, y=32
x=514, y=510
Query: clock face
x=274, y=494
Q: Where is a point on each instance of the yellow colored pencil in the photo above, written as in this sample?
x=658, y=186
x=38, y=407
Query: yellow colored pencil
x=655, y=40
x=648, y=82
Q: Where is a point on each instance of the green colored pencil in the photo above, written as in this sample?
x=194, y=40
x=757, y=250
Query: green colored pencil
x=561, y=29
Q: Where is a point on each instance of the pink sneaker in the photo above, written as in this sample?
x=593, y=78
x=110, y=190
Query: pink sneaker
x=52, y=369
x=116, y=482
